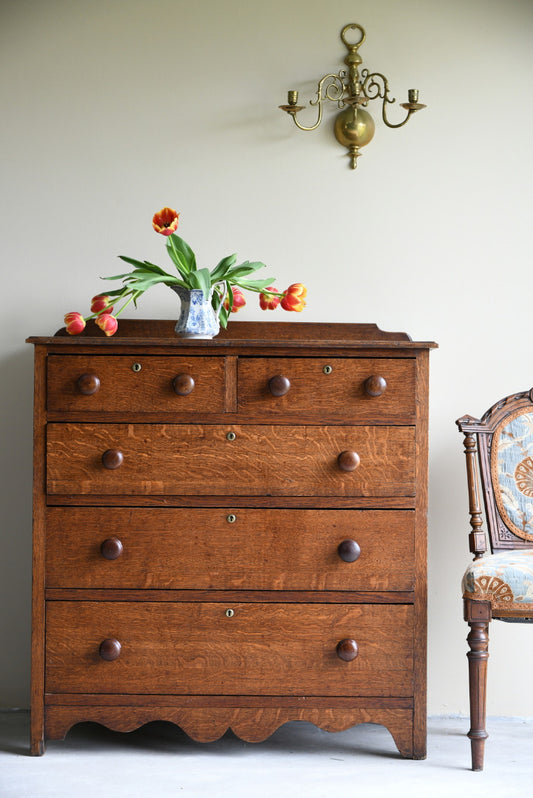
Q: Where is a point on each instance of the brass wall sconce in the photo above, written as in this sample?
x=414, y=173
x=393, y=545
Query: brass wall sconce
x=351, y=90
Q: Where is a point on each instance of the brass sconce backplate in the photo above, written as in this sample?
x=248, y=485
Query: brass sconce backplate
x=352, y=89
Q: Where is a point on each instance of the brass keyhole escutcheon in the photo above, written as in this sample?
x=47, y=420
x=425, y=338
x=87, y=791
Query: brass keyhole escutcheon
x=230, y=613
x=327, y=369
x=231, y=518
x=136, y=367
x=231, y=436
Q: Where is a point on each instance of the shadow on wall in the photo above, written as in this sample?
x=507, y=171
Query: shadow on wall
x=16, y=435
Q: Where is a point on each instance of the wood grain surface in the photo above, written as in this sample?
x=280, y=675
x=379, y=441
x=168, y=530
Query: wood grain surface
x=272, y=649
x=327, y=386
x=199, y=549
x=200, y=460
x=135, y=384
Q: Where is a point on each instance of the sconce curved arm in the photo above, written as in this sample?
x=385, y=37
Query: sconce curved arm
x=318, y=102
x=376, y=85
x=330, y=87
x=384, y=115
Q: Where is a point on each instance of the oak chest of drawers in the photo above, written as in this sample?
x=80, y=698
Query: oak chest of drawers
x=230, y=533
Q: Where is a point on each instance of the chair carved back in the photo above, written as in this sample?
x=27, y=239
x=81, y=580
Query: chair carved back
x=499, y=459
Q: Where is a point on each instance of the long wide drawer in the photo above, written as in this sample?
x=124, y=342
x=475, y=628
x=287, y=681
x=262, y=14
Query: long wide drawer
x=221, y=549
x=237, y=460
x=245, y=649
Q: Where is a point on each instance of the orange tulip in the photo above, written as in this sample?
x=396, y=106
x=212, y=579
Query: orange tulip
x=294, y=297
x=238, y=300
x=107, y=323
x=269, y=301
x=101, y=302
x=166, y=221
x=75, y=323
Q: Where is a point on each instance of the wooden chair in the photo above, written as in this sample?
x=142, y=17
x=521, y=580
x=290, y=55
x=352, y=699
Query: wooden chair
x=499, y=460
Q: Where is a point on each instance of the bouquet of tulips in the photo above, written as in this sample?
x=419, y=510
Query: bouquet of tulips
x=224, y=284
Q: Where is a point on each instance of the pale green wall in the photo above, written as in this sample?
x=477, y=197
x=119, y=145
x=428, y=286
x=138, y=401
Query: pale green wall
x=113, y=108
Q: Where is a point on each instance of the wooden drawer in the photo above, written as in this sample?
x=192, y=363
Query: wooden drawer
x=354, y=389
x=135, y=384
x=263, y=649
x=195, y=459
x=253, y=550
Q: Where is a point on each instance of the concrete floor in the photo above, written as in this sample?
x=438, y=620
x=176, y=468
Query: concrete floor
x=298, y=761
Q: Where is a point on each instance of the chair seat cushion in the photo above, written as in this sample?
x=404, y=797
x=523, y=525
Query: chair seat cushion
x=505, y=579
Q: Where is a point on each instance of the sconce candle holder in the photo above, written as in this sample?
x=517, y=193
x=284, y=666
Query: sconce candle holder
x=351, y=90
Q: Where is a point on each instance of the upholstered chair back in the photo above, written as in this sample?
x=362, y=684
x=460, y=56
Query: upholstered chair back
x=511, y=465
x=501, y=445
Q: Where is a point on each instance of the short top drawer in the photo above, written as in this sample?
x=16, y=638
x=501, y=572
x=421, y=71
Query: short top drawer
x=115, y=383
x=352, y=389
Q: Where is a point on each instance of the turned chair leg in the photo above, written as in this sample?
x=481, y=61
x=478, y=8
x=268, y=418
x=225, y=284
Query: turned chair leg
x=478, y=640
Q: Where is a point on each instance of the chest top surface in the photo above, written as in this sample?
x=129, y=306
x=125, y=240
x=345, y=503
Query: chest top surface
x=292, y=336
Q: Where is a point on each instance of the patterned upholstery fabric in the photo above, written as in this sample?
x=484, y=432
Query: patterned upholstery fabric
x=505, y=579
x=512, y=473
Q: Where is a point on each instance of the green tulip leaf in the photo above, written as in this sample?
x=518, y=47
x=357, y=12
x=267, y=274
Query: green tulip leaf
x=216, y=299
x=118, y=276
x=244, y=269
x=146, y=281
x=180, y=262
x=223, y=315
x=181, y=253
x=154, y=268
x=220, y=271
x=114, y=292
x=254, y=285
x=137, y=263
x=201, y=279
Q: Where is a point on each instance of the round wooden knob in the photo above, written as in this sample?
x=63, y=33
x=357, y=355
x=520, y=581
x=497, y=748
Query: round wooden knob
x=112, y=458
x=348, y=461
x=111, y=548
x=375, y=385
x=347, y=650
x=110, y=649
x=349, y=550
x=279, y=385
x=88, y=384
x=183, y=384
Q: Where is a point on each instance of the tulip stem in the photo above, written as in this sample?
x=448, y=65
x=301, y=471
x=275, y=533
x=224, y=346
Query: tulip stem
x=133, y=296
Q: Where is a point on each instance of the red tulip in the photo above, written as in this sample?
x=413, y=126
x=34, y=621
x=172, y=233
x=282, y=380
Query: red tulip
x=294, y=297
x=107, y=323
x=238, y=300
x=269, y=301
x=101, y=302
x=165, y=221
x=75, y=323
